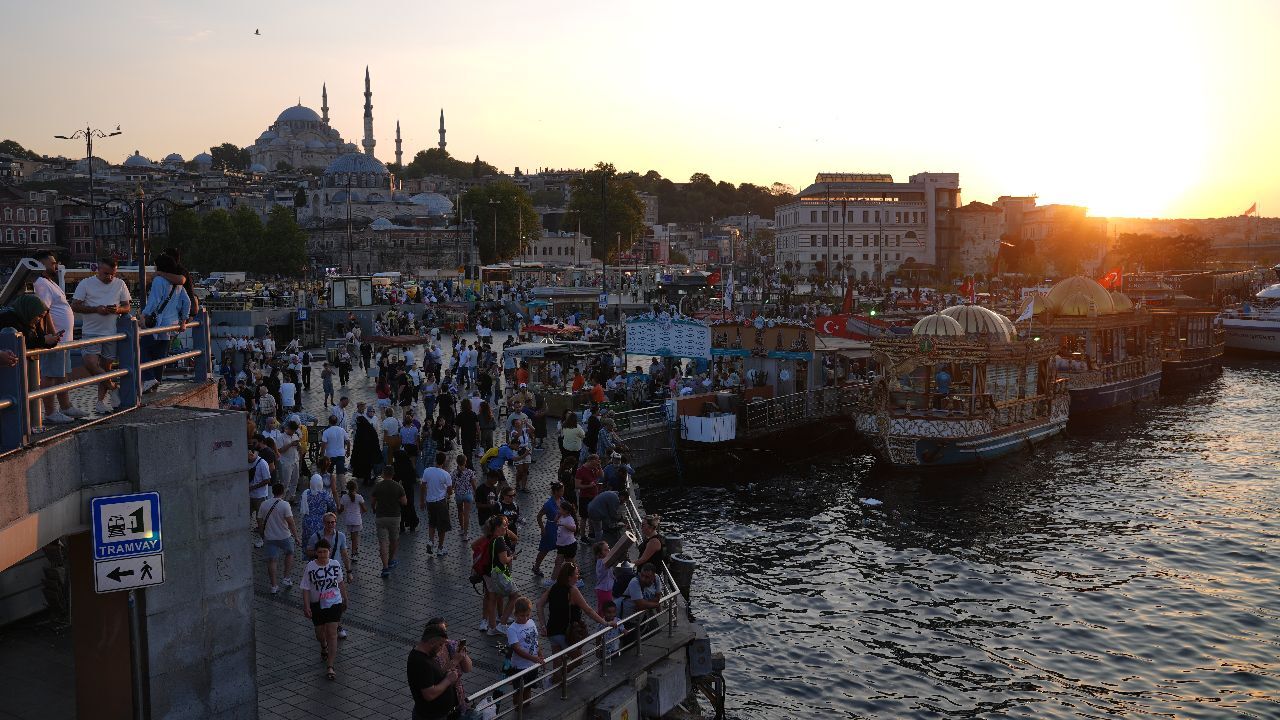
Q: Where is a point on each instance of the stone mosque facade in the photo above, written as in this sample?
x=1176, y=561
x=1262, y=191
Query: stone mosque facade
x=300, y=138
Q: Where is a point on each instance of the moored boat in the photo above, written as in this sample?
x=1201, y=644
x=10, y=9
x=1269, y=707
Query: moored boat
x=962, y=389
x=1106, y=350
x=1254, y=327
x=1191, y=346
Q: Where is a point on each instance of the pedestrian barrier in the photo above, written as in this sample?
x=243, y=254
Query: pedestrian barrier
x=20, y=391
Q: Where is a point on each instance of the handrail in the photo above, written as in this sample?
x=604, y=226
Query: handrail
x=517, y=681
x=20, y=394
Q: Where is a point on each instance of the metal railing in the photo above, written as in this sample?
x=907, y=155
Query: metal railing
x=774, y=412
x=21, y=394
x=641, y=417
x=572, y=663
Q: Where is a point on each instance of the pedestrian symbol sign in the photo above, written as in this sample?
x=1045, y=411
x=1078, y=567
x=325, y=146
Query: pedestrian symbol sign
x=128, y=573
x=126, y=526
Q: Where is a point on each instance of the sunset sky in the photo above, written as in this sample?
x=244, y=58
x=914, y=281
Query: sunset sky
x=1131, y=108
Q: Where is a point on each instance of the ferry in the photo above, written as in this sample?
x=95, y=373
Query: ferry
x=1107, y=351
x=1254, y=327
x=961, y=390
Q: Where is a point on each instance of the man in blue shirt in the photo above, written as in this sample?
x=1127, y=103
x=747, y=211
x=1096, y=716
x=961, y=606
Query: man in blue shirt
x=170, y=305
x=942, y=382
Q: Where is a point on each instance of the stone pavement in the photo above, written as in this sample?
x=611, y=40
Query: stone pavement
x=385, y=617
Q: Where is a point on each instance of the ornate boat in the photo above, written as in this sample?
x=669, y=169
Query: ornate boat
x=961, y=390
x=1106, y=350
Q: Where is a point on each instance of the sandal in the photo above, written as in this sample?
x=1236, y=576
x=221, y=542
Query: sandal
x=330, y=674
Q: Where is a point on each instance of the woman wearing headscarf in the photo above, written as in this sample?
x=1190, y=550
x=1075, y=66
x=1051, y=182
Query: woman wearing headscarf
x=29, y=316
x=407, y=475
x=366, y=452
x=316, y=501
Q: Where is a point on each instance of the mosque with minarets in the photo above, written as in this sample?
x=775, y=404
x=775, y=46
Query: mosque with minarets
x=353, y=180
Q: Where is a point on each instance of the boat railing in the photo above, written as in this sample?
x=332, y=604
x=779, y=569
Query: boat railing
x=765, y=413
x=21, y=394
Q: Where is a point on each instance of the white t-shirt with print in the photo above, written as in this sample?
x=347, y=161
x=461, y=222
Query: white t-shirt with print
x=56, y=300
x=322, y=581
x=526, y=636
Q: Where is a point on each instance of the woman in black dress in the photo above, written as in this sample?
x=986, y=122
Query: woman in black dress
x=366, y=452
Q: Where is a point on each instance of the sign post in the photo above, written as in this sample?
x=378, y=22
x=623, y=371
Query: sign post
x=128, y=554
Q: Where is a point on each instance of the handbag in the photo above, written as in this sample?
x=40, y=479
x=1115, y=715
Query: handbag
x=153, y=319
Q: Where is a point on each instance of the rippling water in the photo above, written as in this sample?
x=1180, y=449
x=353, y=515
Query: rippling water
x=1124, y=570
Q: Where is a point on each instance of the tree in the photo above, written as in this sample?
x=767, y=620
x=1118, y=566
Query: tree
x=228, y=156
x=12, y=147
x=283, y=166
x=611, y=211
x=184, y=234
x=678, y=258
x=511, y=207
x=284, y=246
x=218, y=245
x=1148, y=252
x=548, y=198
x=434, y=161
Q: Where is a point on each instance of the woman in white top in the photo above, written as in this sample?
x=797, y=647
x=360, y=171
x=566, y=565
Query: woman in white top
x=351, y=508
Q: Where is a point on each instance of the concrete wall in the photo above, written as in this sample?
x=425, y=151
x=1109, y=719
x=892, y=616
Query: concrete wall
x=199, y=625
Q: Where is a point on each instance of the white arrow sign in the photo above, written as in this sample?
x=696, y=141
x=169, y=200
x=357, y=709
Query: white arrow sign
x=128, y=573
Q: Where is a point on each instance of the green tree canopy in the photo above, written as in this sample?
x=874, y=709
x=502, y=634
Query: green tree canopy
x=512, y=208
x=702, y=198
x=228, y=156
x=609, y=208
x=284, y=247
x=434, y=161
x=1152, y=253
x=12, y=147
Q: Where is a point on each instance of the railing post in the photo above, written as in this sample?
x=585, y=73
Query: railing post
x=604, y=657
x=35, y=408
x=203, y=367
x=14, y=429
x=130, y=356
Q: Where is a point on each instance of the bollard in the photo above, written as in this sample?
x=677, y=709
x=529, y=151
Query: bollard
x=681, y=567
x=675, y=545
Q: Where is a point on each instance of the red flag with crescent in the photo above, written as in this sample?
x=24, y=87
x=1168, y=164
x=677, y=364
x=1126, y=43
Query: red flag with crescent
x=714, y=278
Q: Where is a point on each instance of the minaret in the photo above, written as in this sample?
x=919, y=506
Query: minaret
x=368, y=141
x=324, y=103
x=442, y=142
x=399, y=154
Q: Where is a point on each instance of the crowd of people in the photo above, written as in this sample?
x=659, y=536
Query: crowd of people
x=445, y=447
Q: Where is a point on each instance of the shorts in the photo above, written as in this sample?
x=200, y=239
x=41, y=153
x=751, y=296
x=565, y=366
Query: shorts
x=324, y=616
x=338, y=464
x=558, y=642
x=351, y=529
x=278, y=548
x=105, y=350
x=438, y=515
x=459, y=498
x=388, y=528
x=568, y=552
x=55, y=364
x=255, y=503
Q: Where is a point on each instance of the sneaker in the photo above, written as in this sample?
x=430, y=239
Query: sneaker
x=484, y=625
x=257, y=542
x=494, y=631
x=342, y=633
x=74, y=412
x=275, y=589
x=391, y=565
x=502, y=628
x=386, y=572
x=102, y=408
x=58, y=418
x=287, y=582
x=149, y=385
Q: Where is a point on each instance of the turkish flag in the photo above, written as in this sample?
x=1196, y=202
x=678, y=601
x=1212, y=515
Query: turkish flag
x=714, y=278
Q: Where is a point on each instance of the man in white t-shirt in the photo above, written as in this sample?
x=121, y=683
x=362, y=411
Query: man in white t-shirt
x=280, y=533
x=100, y=300
x=269, y=346
x=336, y=445
x=259, y=488
x=55, y=366
x=287, y=443
x=390, y=434
x=437, y=486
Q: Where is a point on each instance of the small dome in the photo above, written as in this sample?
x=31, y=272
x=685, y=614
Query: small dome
x=99, y=165
x=137, y=160
x=434, y=203
x=203, y=159
x=315, y=145
x=1087, y=287
x=1121, y=301
x=298, y=113
x=173, y=158
x=980, y=322
x=356, y=163
x=382, y=224
x=331, y=144
x=938, y=325
x=1079, y=305
x=350, y=147
x=267, y=135
x=258, y=168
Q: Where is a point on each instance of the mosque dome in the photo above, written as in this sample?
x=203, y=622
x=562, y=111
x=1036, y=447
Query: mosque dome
x=298, y=113
x=980, y=322
x=357, y=163
x=315, y=145
x=434, y=203
x=173, y=158
x=258, y=168
x=1121, y=301
x=382, y=224
x=331, y=144
x=203, y=159
x=136, y=160
x=267, y=135
x=1058, y=296
x=938, y=325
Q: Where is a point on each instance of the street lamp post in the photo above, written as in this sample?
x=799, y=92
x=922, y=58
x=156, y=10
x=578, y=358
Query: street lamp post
x=88, y=134
x=494, y=203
